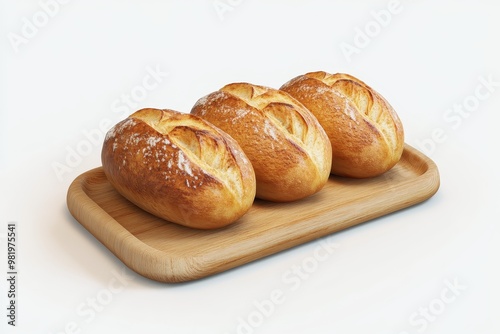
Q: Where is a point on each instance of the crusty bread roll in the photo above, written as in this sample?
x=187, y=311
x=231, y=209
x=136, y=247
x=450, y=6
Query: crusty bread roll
x=365, y=132
x=179, y=168
x=289, y=150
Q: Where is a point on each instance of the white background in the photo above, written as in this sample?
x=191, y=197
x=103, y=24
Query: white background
x=64, y=78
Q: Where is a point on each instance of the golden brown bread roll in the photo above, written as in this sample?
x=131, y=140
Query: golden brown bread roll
x=179, y=168
x=365, y=132
x=289, y=150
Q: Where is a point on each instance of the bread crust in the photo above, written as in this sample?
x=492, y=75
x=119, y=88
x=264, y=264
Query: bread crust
x=366, y=134
x=180, y=168
x=288, y=148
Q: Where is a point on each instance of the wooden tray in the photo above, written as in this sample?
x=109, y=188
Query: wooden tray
x=168, y=252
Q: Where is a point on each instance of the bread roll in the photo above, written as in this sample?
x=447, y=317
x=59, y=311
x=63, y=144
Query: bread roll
x=365, y=132
x=180, y=168
x=289, y=150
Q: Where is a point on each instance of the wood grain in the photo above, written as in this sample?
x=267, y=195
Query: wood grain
x=168, y=252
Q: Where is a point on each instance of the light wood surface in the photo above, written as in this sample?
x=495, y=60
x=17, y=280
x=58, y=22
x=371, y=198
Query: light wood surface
x=168, y=252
